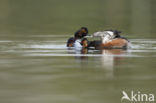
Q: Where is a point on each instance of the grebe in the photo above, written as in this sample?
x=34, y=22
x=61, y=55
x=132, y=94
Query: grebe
x=109, y=40
x=78, y=38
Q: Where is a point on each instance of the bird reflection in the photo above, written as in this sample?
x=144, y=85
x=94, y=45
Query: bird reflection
x=108, y=59
x=111, y=57
x=83, y=51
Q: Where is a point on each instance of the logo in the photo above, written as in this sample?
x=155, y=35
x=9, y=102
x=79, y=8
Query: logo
x=137, y=97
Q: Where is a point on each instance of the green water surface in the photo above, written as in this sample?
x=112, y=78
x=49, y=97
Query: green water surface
x=37, y=67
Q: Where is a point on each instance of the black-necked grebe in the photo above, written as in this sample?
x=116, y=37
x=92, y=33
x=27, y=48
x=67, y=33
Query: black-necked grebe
x=110, y=39
x=76, y=41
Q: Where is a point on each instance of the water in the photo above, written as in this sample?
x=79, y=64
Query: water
x=37, y=67
x=42, y=70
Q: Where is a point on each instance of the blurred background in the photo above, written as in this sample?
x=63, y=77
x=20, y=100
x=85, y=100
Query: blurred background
x=37, y=67
x=133, y=17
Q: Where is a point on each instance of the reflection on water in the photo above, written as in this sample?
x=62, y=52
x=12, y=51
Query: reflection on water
x=108, y=58
x=37, y=67
x=42, y=70
x=108, y=61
